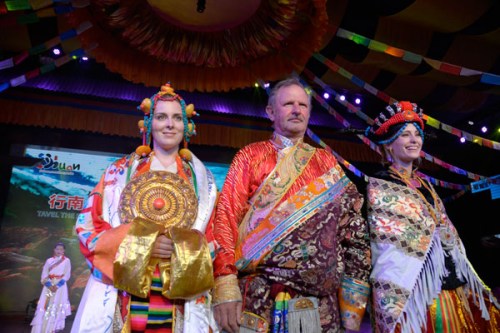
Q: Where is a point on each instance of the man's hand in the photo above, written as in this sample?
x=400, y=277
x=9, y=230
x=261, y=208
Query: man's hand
x=53, y=288
x=228, y=316
x=162, y=247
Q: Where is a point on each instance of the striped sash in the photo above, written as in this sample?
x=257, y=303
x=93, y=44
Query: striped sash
x=287, y=217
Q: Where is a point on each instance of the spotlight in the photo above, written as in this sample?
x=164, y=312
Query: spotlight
x=85, y=58
x=56, y=51
x=342, y=97
x=357, y=100
x=484, y=129
x=200, y=6
x=266, y=85
x=470, y=122
x=326, y=95
x=462, y=140
x=256, y=84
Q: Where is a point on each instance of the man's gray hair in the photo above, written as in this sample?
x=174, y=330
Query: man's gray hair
x=292, y=81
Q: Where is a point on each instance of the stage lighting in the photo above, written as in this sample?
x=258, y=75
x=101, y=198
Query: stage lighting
x=462, y=140
x=85, y=58
x=326, y=95
x=342, y=97
x=484, y=129
x=266, y=85
x=357, y=100
x=56, y=51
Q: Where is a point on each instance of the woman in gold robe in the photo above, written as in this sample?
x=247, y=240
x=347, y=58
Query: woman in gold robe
x=142, y=232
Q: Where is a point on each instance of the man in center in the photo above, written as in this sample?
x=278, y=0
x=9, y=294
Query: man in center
x=294, y=251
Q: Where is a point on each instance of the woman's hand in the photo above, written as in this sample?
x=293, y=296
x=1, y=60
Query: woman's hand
x=162, y=248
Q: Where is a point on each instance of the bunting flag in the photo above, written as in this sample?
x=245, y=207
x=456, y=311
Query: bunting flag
x=353, y=109
x=441, y=66
x=389, y=100
x=16, y=60
x=317, y=139
x=43, y=69
x=360, y=174
x=373, y=146
x=339, y=158
x=39, y=10
x=454, y=196
x=15, y=5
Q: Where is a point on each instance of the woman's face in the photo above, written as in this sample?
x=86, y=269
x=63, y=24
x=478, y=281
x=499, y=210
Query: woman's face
x=168, y=126
x=59, y=250
x=406, y=148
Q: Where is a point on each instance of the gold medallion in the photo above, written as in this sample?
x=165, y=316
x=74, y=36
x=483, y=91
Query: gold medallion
x=161, y=197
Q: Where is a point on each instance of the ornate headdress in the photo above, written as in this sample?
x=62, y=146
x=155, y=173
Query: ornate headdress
x=397, y=113
x=148, y=105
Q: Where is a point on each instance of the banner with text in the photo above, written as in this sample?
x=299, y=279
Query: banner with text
x=42, y=206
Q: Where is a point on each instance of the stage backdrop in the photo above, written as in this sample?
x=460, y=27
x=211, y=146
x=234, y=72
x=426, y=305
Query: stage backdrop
x=42, y=205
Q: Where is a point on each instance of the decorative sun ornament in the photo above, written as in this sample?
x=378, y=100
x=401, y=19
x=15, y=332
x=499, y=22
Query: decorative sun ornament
x=230, y=45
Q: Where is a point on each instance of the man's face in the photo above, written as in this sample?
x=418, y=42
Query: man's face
x=290, y=112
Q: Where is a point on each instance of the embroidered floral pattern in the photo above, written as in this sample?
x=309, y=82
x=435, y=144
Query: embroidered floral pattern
x=310, y=261
x=390, y=300
x=394, y=219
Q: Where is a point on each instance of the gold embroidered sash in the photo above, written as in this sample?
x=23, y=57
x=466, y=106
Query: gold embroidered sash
x=289, y=167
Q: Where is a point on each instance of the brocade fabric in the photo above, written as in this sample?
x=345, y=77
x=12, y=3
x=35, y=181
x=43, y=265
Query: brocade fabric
x=311, y=260
x=409, y=252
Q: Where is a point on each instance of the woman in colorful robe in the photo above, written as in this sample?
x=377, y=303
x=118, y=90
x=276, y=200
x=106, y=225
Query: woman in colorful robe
x=53, y=305
x=131, y=287
x=422, y=280
x=290, y=232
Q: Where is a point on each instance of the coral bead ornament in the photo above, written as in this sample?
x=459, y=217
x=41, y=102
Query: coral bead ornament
x=158, y=203
x=186, y=154
x=143, y=150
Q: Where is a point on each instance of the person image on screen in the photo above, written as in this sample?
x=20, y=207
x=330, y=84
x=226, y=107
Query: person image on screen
x=53, y=305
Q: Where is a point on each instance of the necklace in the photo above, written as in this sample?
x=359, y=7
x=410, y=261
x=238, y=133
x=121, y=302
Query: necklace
x=411, y=181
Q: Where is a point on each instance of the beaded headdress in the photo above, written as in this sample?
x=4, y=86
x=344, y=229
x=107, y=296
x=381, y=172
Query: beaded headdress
x=166, y=93
x=397, y=113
